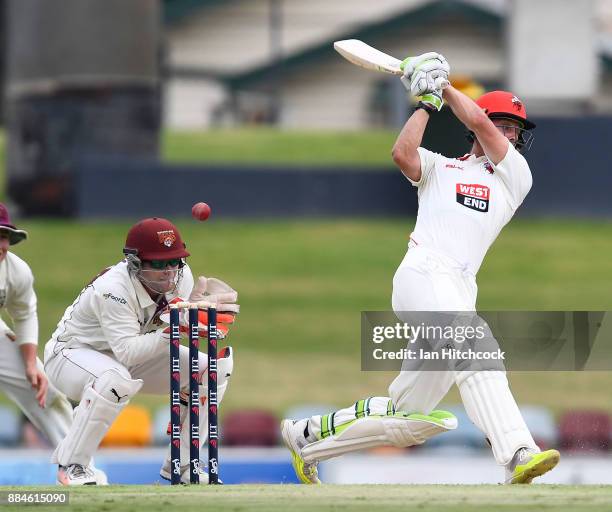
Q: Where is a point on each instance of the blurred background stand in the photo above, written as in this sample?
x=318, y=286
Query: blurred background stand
x=81, y=77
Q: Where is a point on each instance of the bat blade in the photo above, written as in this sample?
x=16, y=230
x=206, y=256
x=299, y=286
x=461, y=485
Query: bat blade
x=362, y=54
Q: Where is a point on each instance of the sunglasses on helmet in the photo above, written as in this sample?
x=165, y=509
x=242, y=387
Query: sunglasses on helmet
x=163, y=264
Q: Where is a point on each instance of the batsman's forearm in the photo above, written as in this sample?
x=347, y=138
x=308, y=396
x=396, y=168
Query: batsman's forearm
x=466, y=110
x=28, y=354
x=411, y=136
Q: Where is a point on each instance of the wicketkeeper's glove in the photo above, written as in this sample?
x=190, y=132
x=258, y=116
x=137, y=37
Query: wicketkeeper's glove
x=224, y=320
x=217, y=292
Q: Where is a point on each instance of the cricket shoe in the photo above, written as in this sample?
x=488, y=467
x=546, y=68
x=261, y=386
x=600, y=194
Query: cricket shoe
x=76, y=474
x=528, y=464
x=293, y=437
x=101, y=478
x=164, y=472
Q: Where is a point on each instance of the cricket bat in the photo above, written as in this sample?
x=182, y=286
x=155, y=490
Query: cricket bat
x=362, y=54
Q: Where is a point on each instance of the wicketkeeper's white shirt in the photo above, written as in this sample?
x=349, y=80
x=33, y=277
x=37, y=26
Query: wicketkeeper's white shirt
x=114, y=313
x=465, y=202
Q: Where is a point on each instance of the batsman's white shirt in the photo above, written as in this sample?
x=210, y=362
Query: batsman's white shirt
x=114, y=313
x=465, y=202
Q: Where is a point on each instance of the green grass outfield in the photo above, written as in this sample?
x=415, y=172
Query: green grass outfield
x=275, y=147
x=382, y=498
x=302, y=286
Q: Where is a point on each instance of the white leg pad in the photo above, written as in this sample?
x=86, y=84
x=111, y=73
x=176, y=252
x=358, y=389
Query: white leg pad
x=94, y=416
x=490, y=405
x=401, y=430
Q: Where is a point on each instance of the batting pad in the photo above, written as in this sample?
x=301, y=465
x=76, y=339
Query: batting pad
x=490, y=405
x=399, y=429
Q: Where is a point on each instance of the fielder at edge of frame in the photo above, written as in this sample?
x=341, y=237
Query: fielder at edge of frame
x=22, y=377
x=111, y=344
x=463, y=205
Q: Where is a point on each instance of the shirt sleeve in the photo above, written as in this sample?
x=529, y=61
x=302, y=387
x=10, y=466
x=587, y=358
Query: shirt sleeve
x=428, y=164
x=119, y=322
x=515, y=175
x=21, y=305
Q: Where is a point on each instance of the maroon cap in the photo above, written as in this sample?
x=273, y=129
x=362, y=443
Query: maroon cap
x=155, y=239
x=15, y=235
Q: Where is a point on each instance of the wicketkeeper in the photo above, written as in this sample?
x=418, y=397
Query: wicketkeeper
x=463, y=205
x=111, y=344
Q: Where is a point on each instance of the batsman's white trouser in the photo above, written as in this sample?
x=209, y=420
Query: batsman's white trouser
x=55, y=419
x=428, y=281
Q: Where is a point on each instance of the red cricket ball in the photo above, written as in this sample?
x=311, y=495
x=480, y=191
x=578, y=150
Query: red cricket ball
x=200, y=211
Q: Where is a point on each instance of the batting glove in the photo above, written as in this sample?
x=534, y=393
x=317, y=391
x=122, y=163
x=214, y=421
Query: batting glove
x=426, y=76
x=410, y=64
x=431, y=102
x=425, y=82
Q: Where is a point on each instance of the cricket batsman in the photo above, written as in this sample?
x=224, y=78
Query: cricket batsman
x=463, y=205
x=112, y=344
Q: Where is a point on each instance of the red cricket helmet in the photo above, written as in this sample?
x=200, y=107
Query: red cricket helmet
x=155, y=239
x=504, y=104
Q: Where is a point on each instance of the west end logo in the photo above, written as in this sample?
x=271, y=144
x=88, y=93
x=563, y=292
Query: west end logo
x=473, y=196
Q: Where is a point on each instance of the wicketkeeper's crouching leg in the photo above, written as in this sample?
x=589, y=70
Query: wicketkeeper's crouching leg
x=225, y=365
x=102, y=401
x=368, y=423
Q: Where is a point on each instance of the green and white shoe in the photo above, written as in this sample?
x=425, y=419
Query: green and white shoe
x=528, y=464
x=292, y=432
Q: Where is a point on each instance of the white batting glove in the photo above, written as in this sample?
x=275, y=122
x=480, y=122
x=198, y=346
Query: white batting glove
x=216, y=291
x=409, y=64
x=425, y=76
x=428, y=82
x=432, y=101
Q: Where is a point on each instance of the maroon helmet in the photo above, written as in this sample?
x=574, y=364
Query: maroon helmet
x=15, y=235
x=155, y=239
